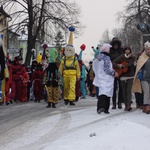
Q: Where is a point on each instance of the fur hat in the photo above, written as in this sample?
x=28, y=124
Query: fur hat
x=114, y=41
x=105, y=48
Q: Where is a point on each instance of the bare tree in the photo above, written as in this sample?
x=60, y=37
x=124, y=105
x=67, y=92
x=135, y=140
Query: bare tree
x=105, y=37
x=137, y=11
x=40, y=18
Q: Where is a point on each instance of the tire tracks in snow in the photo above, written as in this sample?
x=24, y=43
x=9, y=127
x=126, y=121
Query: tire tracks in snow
x=60, y=128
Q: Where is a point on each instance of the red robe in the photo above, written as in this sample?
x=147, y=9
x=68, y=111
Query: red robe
x=37, y=77
x=16, y=82
x=24, y=84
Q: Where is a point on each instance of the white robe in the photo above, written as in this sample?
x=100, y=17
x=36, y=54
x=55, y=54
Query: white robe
x=104, y=81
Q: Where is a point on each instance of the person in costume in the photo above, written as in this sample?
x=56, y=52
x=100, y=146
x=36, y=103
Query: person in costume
x=24, y=84
x=92, y=87
x=89, y=82
x=96, y=51
x=78, y=91
x=139, y=96
x=2, y=67
x=33, y=68
x=5, y=85
x=70, y=70
x=83, y=73
x=141, y=80
x=115, y=51
x=8, y=82
x=126, y=63
x=52, y=86
x=104, y=78
x=16, y=80
x=28, y=68
x=37, y=80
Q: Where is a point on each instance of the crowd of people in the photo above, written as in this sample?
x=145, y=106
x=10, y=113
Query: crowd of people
x=117, y=69
x=114, y=74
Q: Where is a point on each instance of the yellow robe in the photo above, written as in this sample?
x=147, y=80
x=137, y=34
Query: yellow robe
x=70, y=76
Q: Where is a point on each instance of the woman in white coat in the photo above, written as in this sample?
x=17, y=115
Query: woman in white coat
x=104, y=78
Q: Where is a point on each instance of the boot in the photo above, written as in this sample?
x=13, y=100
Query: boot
x=129, y=107
x=119, y=106
x=77, y=98
x=147, y=109
x=141, y=107
x=144, y=109
x=7, y=103
x=49, y=105
x=126, y=108
x=106, y=112
x=72, y=103
x=53, y=105
x=137, y=106
x=101, y=110
x=11, y=101
x=66, y=102
x=114, y=105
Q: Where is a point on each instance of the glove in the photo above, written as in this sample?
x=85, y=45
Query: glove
x=139, y=75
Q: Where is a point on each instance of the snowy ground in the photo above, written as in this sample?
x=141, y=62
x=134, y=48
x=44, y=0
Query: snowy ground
x=72, y=127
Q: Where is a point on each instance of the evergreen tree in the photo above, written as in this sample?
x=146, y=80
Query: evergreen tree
x=59, y=44
x=59, y=40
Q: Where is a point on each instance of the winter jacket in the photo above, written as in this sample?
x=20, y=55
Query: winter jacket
x=145, y=70
x=115, y=53
x=140, y=63
x=129, y=64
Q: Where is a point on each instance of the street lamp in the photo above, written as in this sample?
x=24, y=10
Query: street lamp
x=145, y=32
x=143, y=27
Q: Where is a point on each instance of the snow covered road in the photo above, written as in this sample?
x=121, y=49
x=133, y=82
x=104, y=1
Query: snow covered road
x=31, y=126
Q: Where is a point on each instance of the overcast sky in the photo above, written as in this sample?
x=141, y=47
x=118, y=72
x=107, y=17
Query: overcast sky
x=97, y=16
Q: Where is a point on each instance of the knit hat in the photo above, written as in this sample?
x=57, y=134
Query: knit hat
x=105, y=48
x=147, y=45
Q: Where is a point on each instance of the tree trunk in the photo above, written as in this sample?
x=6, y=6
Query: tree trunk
x=31, y=45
